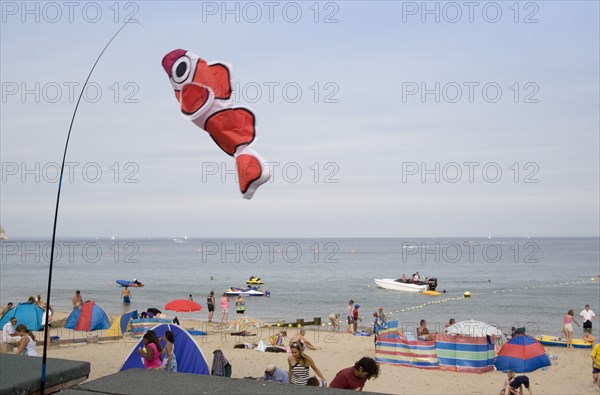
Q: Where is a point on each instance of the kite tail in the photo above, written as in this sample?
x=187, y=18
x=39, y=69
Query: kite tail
x=233, y=130
x=252, y=171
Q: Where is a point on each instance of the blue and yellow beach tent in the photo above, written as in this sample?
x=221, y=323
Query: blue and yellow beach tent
x=121, y=324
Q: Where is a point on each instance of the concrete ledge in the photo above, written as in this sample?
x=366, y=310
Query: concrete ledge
x=143, y=382
x=21, y=375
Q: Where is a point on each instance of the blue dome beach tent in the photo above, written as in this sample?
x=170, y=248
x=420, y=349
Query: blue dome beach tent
x=190, y=358
x=90, y=318
x=27, y=314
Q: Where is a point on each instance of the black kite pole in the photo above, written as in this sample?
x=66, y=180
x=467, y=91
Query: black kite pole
x=62, y=168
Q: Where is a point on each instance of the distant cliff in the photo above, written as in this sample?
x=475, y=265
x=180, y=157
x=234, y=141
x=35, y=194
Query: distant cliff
x=3, y=234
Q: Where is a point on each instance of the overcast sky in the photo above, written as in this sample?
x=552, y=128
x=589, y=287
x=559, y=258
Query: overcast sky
x=378, y=118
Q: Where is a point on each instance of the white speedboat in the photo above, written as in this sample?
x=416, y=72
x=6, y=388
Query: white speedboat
x=398, y=285
x=233, y=291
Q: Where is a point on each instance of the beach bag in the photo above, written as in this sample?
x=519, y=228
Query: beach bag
x=227, y=370
x=261, y=346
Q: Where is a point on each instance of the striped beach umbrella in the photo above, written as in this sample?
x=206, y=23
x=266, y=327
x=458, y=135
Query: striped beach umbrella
x=522, y=354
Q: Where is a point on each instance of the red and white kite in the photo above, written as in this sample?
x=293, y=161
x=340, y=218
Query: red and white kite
x=203, y=91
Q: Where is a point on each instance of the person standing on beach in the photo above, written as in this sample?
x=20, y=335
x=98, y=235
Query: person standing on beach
x=355, y=318
x=210, y=303
x=596, y=365
x=349, y=315
x=240, y=306
x=354, y=378
x=126, y=295
x=224, y=302
x=381, y=315
x=170, y=358
x=568, y=327
x=299, y=366
x=77, y=300
x=151, y=351
x=587, y=316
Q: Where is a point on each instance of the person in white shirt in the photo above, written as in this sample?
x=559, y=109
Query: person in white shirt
x=8, y=332
x=587, y=315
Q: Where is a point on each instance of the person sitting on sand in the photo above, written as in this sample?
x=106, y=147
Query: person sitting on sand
x=9, y=334
x=302, y=340
x=354, y=378
x=513, y=385
x=423, y=333
x=449, y=324
x=589, y=338
x=273, y=373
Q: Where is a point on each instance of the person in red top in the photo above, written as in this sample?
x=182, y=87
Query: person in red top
x=354, y=378
x=355, y=318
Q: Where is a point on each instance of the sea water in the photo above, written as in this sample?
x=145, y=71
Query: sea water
x=516, y=281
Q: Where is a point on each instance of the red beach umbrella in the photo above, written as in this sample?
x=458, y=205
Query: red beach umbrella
x=183, y=306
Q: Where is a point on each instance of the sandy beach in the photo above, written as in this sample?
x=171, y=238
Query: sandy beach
x=569, y=374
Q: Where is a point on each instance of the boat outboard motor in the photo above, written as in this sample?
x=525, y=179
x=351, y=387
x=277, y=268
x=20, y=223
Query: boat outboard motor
x=431, y=284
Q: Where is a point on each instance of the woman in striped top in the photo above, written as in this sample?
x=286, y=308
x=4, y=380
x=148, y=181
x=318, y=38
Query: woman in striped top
x=299, y=365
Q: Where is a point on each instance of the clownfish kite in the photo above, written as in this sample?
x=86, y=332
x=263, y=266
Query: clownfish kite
x=204, y=91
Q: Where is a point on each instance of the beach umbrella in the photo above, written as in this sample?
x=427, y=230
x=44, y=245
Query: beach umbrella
x=183, y=306
x=522, y=354
x=473, y=328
